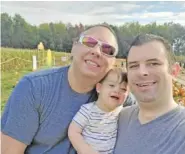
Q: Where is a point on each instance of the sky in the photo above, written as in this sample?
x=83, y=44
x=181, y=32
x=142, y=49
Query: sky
x=94, y=12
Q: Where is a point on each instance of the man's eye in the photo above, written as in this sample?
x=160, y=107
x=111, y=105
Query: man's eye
x=154, y=64
x=123, y=89
x=111, y=85
x=133, y=66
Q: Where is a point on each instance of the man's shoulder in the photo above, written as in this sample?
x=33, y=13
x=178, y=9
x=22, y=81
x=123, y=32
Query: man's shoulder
x=178, y=114
x=45, y=73
x=182, y=116
x=128, y=111
x=182, y=109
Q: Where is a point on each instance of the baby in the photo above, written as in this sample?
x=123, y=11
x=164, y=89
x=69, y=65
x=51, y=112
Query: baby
x=93, y=130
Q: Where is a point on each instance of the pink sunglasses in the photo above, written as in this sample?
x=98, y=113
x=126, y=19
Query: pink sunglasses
x=91, y=42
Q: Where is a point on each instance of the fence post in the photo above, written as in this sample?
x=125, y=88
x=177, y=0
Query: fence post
x=54, y=61
x=49, y=58
x=34, y=63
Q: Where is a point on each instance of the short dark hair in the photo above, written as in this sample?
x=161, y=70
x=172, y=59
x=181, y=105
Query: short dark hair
x=146, y=38
x=122, y=76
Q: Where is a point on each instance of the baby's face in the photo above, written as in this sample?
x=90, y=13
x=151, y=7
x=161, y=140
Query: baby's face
x=111, y=92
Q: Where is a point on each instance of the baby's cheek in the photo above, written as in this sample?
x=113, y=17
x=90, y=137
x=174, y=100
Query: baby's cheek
x=123, y=98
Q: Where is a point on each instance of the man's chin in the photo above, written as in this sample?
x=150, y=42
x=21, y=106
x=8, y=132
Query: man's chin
x=94, y=75
x=146, y=99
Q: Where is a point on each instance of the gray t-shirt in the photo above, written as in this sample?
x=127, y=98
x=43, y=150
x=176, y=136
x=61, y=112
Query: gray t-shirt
x=164, y=135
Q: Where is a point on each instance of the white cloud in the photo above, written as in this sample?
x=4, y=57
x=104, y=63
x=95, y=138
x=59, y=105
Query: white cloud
x=145, y=18
x=160, y=17
x=127, y=7
x=162, y=2
x=150, y=7
x=93, y=12
x=155, y=15
x=181, y=15
x=107, y=9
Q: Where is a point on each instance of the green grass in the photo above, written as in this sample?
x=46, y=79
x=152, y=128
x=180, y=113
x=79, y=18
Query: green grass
x=8, y=82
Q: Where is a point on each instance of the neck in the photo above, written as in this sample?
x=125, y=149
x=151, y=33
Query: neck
x=102, y=106
x=153, y=110
x=80, y=83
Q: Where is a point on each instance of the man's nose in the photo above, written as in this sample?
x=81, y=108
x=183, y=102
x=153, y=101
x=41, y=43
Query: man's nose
x=96, y=51
x=143, y=70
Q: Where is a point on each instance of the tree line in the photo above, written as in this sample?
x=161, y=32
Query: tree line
x=17, y=33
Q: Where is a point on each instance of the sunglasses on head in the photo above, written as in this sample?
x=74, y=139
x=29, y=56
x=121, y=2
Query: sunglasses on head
x=91, y=42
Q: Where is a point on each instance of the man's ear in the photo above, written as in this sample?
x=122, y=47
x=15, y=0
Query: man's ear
x=98, y=87
x=74, y=45
x=175, y=70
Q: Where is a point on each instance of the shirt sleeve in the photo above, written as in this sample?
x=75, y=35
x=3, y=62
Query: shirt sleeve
x=82, y=116
x=20, y=119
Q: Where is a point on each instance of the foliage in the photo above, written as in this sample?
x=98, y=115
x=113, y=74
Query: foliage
x=179, y=93
x=17, y=33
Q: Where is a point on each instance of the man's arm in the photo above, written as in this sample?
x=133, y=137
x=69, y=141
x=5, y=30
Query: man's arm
x=20, y=119
x=10, y=145
x=78, y=141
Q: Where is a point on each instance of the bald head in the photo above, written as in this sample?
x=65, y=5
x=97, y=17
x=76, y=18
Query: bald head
x=101, y=30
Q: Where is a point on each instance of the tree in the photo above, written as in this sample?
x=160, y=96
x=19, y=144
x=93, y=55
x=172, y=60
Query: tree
x=179, y=46
x=6, y=30
x=17, y=33
x=23, y=34
x=45, y=35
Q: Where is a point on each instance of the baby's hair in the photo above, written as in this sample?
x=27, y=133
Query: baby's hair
x=122, y=76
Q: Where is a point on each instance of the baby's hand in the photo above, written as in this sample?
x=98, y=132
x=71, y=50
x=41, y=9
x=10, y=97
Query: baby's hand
x=93, y=152
x=90, y=151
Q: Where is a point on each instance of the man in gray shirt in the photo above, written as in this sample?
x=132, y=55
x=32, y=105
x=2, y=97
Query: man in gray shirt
x=157, y=124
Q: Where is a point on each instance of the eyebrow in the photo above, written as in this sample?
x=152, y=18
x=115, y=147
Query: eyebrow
x=135, y=62
x=154, y=59
x=109, y=81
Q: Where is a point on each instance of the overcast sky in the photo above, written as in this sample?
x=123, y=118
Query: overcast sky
x=93, y=12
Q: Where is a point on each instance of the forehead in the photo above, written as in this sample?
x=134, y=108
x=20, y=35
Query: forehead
x=150, y=50
x=102, y=34
x=113, y=77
